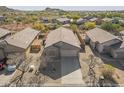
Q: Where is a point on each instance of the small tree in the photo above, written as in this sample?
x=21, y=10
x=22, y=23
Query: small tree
x=40, y=26
x=89, y=25
x=74, y=27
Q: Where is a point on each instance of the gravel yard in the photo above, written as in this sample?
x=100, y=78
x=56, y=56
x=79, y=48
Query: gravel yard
x=99, y=64
x=4, y=79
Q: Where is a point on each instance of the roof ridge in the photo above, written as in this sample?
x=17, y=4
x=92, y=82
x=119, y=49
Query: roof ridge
x=61, y=35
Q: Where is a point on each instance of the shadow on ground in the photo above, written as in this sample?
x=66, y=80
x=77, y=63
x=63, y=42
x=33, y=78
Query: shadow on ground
x=107, y=59
x=60, y=68
x=108, y=83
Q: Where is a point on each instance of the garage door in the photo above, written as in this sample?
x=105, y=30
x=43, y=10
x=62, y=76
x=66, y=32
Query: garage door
x=69, y=65
x=68, y=53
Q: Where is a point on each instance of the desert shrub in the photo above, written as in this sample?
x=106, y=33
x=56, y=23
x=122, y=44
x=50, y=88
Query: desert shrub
x=110, y=26
x=40, y=26
x=89, y=25
x=108, y=71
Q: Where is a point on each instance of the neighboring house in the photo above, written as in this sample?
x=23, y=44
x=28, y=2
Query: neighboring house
x=121, y=20
x=117, y=50
x=106, y=19
x=2, y=54
x=104, y=42
x=80, y=21
x=21, y=41
x=64, y=20
x=2, y=58
x=115, y=21
x=44, y=20
x=93, y=19
x=88, y=17
x=4, y=33
x=2, y=18
x=122, y=33
x=61, y=52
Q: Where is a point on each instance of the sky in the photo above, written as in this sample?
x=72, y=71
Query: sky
x=90, y=8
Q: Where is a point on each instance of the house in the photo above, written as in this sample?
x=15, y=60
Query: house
x=4, y=33
x=61, y=52
x=122, y=33
x=2, y=58
x=100, y=40
x=117, y=50
x=61, y=42
x=121, y=20
x=93, y=19
x=44, y=20
x=88, y=17
x=115, y=21
x=2, y=18
x=2, y=54
x=81, y=21
x=64, y=20
x=21, y=41
x=106, y=19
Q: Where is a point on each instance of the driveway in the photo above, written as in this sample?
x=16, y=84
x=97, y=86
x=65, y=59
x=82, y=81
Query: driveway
x=71, y=72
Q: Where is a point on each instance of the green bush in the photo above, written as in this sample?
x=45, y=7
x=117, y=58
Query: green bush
x=110, y=27
x=89, y=25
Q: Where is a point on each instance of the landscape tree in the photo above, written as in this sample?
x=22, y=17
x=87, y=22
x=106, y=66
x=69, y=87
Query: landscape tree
x=40, y=26
x=74, y=27
x=74, y=15
x=89, y=25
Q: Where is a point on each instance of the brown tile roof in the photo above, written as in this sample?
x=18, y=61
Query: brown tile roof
x=4, y=32
x=61, y=34
x=100, y=35
x=23, y=38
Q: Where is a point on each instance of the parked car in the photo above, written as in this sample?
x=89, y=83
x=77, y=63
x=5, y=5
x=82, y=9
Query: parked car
x=11, y=68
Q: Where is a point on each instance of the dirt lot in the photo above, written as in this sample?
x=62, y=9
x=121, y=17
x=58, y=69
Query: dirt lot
x=100, y=61
x=4, y=79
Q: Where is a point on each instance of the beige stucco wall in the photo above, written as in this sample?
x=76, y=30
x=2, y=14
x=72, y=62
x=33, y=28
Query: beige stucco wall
x=2, y=54
x=119, y=53
x=13, y=49
x=100, y=47
x=63, y=50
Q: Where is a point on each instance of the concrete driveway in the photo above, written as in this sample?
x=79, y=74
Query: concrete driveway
x=71, y=72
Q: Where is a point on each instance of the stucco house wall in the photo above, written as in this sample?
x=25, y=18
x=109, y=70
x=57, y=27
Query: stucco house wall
x=119, y=53
x=12, y=49
x=61, y=49
x=102, y=47
x=2, y=55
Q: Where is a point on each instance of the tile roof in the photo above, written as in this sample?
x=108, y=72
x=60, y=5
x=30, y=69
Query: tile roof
x=63, y=19
x=23, y=38
x=100, y=35
x=4, y=32
x=61, y=34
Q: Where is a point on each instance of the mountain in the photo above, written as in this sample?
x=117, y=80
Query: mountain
x=6, y=9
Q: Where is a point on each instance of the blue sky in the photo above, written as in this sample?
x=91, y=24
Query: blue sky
x=91, y=8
